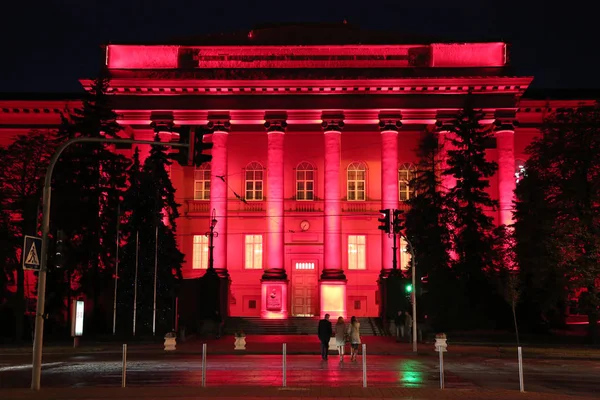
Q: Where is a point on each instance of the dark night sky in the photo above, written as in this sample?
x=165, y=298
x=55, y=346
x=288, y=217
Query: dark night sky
x=47, y=45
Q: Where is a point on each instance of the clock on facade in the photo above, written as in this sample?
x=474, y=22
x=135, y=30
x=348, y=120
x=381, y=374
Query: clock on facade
x=304, y=225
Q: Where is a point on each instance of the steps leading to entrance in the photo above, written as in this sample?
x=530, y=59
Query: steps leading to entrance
x=291, y=326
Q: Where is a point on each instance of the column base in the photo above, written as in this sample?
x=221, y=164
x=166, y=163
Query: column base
x=386, y=273
x=274, y=274
x=333, y=275
x=333, y=298
x=274, y=298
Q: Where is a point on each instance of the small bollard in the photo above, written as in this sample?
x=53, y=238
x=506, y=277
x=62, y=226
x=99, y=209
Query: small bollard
x=364, y=364
x=520, y=355
x=124, y=368
x=203, y=364
x=284, y=365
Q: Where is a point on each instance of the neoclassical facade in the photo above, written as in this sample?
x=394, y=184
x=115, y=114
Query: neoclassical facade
x=309, y=143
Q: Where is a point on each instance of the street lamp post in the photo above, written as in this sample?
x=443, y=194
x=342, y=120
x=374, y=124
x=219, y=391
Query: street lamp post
x=211, y=235
x=413, y=293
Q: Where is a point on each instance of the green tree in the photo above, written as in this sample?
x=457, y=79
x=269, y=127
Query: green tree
x=427, y=229
x=567, y=158
x=88, y=181
x=22, y=169
x=472, y=228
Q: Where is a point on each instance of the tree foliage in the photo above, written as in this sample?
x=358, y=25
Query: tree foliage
x=563, y=178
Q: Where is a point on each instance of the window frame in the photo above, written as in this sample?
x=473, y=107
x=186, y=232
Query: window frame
x=254, y=245
x=204, y=167
x=305, y=167
x=364, y=252
x=254, y=167
x=410, y=170
x=356, y=164
x=201, y=246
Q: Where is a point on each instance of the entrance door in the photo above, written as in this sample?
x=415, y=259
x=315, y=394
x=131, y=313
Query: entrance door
x=304, y=289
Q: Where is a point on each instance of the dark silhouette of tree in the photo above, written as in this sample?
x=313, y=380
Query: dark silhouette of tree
x=22, y=169
x=566, y=159
x=472, y=228
x=150, y=205
x=88, y=183
x=427, y=229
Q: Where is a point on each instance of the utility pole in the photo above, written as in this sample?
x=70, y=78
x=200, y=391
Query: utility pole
x=36, y=370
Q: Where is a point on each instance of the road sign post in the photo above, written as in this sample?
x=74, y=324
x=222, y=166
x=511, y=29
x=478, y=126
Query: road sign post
x=32, y=249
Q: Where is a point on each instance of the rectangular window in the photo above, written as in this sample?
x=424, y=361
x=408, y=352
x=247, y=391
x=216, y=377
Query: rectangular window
x=254, y=249
x=200, y=252
x=404, y=255
x=202, y=184
x=357, y=247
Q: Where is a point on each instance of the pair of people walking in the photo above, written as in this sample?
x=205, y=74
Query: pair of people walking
x=342, y=336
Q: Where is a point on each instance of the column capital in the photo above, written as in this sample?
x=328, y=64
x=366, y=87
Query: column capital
x=275, y=125
x=390, y=125
x=218, y=124
x=505, y=124
x=333, y=123
x=162, y=122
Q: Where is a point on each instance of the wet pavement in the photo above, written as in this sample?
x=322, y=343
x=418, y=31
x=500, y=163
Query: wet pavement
x=305, y=371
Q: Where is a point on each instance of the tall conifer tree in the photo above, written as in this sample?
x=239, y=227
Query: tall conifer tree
x=427, y=229
x=473, y=227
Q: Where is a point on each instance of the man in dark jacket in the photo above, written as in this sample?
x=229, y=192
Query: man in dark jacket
x=324, y=332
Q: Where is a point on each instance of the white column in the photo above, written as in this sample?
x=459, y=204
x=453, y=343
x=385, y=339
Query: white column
x=389, y=188
x=218, y=195
x=275, y=221
x=505, y=143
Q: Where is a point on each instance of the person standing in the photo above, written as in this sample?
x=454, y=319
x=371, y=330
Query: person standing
x=340, y=336
x=400, y=321
x=324, y=332
x=354, y=333
x=408, y=326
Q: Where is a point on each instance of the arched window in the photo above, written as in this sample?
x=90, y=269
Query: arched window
x=357, y=181
x=406, y=173
x=202, y=182
x=254, y=181
x=519, y=170
x=305, y=181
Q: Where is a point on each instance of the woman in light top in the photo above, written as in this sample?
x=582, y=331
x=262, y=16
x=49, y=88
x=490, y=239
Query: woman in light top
x=340, y=336
x=354, y=333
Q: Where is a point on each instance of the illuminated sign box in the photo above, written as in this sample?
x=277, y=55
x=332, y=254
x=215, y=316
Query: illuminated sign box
x=77, y=310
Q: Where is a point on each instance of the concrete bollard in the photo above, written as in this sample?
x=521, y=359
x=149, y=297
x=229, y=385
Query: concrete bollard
x=124, y=367
x=364, y=364
x=284, y=365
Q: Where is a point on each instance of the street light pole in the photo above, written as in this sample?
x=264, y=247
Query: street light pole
x=413, y=293
x=211, y=235
x=36, y=370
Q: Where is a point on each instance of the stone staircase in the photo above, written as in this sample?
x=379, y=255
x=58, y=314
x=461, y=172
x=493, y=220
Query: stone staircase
x=292, y=326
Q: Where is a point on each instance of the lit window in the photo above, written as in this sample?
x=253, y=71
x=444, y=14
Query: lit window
x=406, y=173
x=305, y=182
x=305, y=265
x=202, y=182
x=357, y=258
x=200, y=252
x=254, y=250
x=254, y=181
x=519, y=170
x=357, y=181
x=404, y=255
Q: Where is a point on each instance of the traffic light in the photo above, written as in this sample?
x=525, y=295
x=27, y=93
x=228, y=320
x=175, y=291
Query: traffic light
x=384, y=220
x=398, y=222
x=198, y=148
x=59, y=258
x=408, y=288
x=182, y=154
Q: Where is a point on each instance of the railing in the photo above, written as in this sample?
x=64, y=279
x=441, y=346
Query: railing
x=290, y=205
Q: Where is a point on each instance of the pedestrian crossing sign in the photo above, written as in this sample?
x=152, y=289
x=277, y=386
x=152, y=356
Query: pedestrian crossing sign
x=32, y=250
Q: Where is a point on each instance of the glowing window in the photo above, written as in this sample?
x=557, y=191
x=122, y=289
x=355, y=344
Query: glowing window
x=404, y=255
x=254, y=181
x=305, y=265
x=519, y=170
x=202, y=182
x=253, y=259
x=305, y=182
x=357, y=181
x=200, y=252
x=357, y=247
x=406, y=173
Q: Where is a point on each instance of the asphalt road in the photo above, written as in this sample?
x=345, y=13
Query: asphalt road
x=90, y=370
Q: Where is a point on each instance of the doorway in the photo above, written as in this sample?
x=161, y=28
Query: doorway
x=305, y=284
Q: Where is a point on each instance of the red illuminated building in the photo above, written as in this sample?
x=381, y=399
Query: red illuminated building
x=309, y=142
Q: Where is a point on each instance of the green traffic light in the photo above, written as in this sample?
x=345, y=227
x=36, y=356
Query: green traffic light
x=408, y=288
